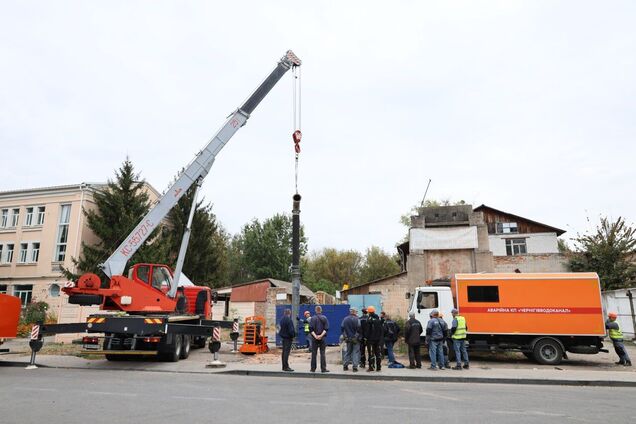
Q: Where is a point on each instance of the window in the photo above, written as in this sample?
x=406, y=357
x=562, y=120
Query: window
x=483, y=293
x=54, y=290
x=4, y=218
x=507, y=228
x=516, y=247
x=39, y=219
x=1, y=251
x=62, y=233
x=161, y=278
x=427, y=300
x=3, y=289
x=142, y=273
x=24, y=248
x=28, y=217
x=9, y=255
x=15, y=217
x=35, y=252
x=24, y=292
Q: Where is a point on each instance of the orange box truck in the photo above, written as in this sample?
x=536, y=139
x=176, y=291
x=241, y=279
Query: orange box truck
x=9, y=317
x=542, y=315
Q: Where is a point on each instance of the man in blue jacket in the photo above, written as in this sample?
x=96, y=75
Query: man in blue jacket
x=287, y=333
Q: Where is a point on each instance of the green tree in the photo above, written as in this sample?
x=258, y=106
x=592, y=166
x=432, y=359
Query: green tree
x=118, y=209
x=609, y=251
x=377, y=264
x=331, y=268
x=264, y=249
x=205, y=262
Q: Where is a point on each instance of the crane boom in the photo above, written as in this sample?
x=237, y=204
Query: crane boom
x=195, y=171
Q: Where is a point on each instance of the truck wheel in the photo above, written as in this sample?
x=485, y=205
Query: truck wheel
x=185, y=347
x=548, y=352
x=174, y=352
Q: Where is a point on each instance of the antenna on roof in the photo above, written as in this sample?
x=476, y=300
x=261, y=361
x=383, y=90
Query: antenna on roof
x=424, y=198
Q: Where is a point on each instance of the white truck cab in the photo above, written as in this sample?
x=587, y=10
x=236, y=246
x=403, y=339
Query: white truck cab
x=428, y=298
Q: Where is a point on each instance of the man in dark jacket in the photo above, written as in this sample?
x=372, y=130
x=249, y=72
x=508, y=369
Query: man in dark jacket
x=391, y=332
x=318, y=327
x=436, y=331
x=350, y=328
x=363, y=341
x=412, y=331
x=375, y=337
x=287, y=333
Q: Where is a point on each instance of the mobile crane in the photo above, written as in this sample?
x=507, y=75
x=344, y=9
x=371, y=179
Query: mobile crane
x=154, y=315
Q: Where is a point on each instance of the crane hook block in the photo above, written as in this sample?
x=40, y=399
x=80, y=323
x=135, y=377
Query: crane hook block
x=297, y=136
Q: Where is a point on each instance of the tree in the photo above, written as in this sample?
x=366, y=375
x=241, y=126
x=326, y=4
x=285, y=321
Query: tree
x=331, y=268
x=609, y=252
x=377, y=264
x=118, y=209
x=265, y=250
x=206, y=258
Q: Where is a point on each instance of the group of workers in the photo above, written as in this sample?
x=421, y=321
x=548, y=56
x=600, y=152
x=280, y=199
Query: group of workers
x=366, y=337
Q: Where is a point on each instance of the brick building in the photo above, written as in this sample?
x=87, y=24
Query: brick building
x=447, y=240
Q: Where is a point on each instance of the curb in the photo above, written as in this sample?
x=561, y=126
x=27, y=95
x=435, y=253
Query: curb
x=360, y=377
x=431, y=379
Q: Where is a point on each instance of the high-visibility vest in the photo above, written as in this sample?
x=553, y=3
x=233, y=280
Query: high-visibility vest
x=616, y=334
x=306, y=326
x=460, y=331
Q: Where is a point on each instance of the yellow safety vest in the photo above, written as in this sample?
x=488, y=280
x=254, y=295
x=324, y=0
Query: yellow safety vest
x=460, y=331
x=616, y=334
x=306, y=326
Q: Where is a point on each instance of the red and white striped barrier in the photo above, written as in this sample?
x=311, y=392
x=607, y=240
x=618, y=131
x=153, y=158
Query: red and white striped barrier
x=235, y=327
x=216, y=334
x=35, y=332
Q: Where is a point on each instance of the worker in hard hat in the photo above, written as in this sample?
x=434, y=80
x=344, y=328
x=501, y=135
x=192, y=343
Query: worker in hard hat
x=616, y=335
x=375, y=338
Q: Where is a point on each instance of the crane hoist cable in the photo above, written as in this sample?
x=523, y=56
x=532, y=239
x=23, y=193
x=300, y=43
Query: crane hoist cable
x=297, y=107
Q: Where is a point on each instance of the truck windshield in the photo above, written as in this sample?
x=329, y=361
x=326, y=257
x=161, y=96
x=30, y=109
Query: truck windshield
x=427, y=300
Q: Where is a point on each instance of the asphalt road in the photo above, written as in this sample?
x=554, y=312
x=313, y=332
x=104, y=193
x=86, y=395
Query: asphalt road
x=53, y=396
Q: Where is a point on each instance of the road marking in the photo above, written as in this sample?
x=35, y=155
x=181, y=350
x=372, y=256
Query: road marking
x=435, y=395
x=281, y=402
x=36, y=389
x=539, y=413
x=403, y=408
x=198, y=398
x=111, y=393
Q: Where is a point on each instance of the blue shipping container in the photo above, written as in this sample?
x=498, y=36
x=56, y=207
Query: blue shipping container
x=334, y=313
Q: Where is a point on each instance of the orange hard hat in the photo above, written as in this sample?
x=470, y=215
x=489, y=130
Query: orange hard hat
x=612, y=315
x=371, y=309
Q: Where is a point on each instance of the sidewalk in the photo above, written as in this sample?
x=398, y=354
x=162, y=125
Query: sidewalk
x=269, y=365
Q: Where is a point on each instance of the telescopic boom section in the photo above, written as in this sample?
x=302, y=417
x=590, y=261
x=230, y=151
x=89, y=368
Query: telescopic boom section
x=197, y=169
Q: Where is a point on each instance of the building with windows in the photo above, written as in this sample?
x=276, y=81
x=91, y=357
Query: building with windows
x=41, y=229
x=447, y=240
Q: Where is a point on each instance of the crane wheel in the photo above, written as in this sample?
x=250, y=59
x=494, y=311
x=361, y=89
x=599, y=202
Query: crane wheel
x=174, y=351
x=185, y=346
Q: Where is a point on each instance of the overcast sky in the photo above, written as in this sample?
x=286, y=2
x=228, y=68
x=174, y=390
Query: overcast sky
x=525, y=106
